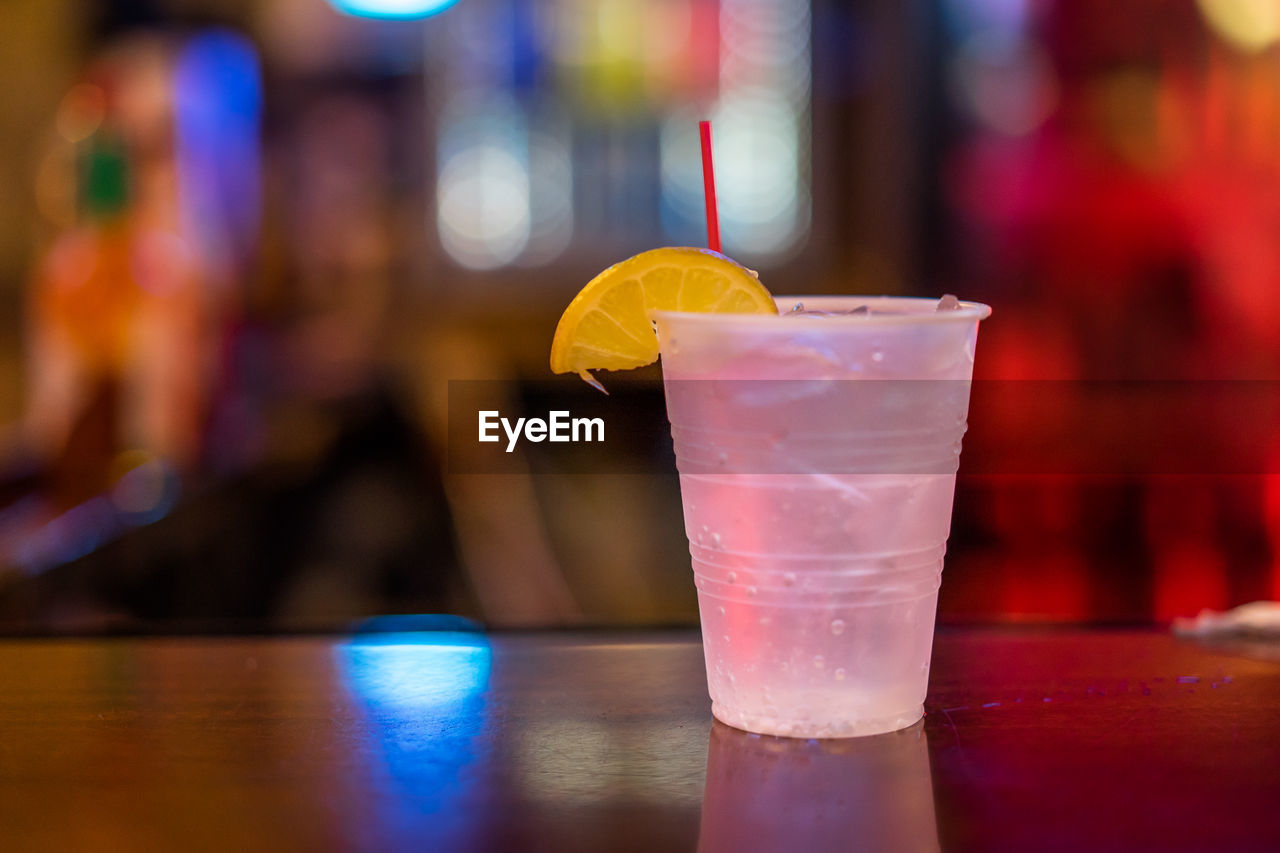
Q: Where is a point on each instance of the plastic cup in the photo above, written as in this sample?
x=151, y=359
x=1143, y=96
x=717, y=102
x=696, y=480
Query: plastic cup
x=817, y=457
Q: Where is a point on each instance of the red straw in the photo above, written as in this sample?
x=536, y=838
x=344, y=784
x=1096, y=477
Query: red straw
x=709, y=187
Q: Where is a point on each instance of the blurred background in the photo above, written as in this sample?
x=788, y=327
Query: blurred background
x=245, y=246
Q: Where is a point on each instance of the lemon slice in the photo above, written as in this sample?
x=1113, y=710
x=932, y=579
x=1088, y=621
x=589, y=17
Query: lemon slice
x=607, y=327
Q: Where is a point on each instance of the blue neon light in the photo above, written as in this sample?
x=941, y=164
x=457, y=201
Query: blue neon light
x=426, y=674
x=392, y=9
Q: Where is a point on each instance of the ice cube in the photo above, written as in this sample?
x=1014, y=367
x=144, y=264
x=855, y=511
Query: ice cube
x=798, y=310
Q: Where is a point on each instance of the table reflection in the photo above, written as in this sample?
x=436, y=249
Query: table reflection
x=767, y=793
x=423, y=698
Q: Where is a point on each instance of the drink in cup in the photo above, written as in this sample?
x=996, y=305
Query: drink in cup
x=817, y=451
x=817, y=455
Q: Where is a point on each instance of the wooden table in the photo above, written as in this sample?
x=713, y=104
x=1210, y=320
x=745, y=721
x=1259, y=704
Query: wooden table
x=1062, y=740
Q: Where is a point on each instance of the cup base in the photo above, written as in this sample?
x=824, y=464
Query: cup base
x=784, y=727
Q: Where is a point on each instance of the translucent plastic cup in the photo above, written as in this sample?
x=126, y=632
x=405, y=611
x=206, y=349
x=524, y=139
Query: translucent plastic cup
x=817, y=457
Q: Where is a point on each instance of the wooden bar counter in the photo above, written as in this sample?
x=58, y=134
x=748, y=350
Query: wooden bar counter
x=1033, y=740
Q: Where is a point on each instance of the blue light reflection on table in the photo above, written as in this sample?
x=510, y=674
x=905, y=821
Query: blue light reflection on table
x=423, y=695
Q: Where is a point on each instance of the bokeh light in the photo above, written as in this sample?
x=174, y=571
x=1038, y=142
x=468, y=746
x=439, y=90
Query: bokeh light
x=482, y=196
x=146, y=492
x=761, y=125
x=81, y=112
x=1008, y=85
x=1007, y=18
x=1250, y=25
x=550, y=195
x=758, y=174
x=761, y=135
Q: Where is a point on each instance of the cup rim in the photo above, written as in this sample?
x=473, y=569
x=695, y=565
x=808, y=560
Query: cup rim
x=915, y=313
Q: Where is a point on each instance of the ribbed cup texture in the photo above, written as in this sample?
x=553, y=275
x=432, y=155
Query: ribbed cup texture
x=817, y=595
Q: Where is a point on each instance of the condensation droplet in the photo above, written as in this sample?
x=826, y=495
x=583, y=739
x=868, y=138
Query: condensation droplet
x=785, y=666
x=751, y=590
x=877, y=356
x=839, y=673
x=819, y=662
x=765, y=620
x=715, y=539
x=723, y=457
x=789, y=579
x=837, y=626
x=733, y=577
x=721, y=609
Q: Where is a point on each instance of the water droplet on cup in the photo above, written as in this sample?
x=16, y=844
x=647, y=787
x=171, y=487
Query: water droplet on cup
x=721, y=609
x=877, y=356
x=751, y=590
x=819, y=662
x=765, y=620
x=789, y=579
x=723, y=457
x=733, y=577
x=715, y=539
x=839, y=673
x=837, y=626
